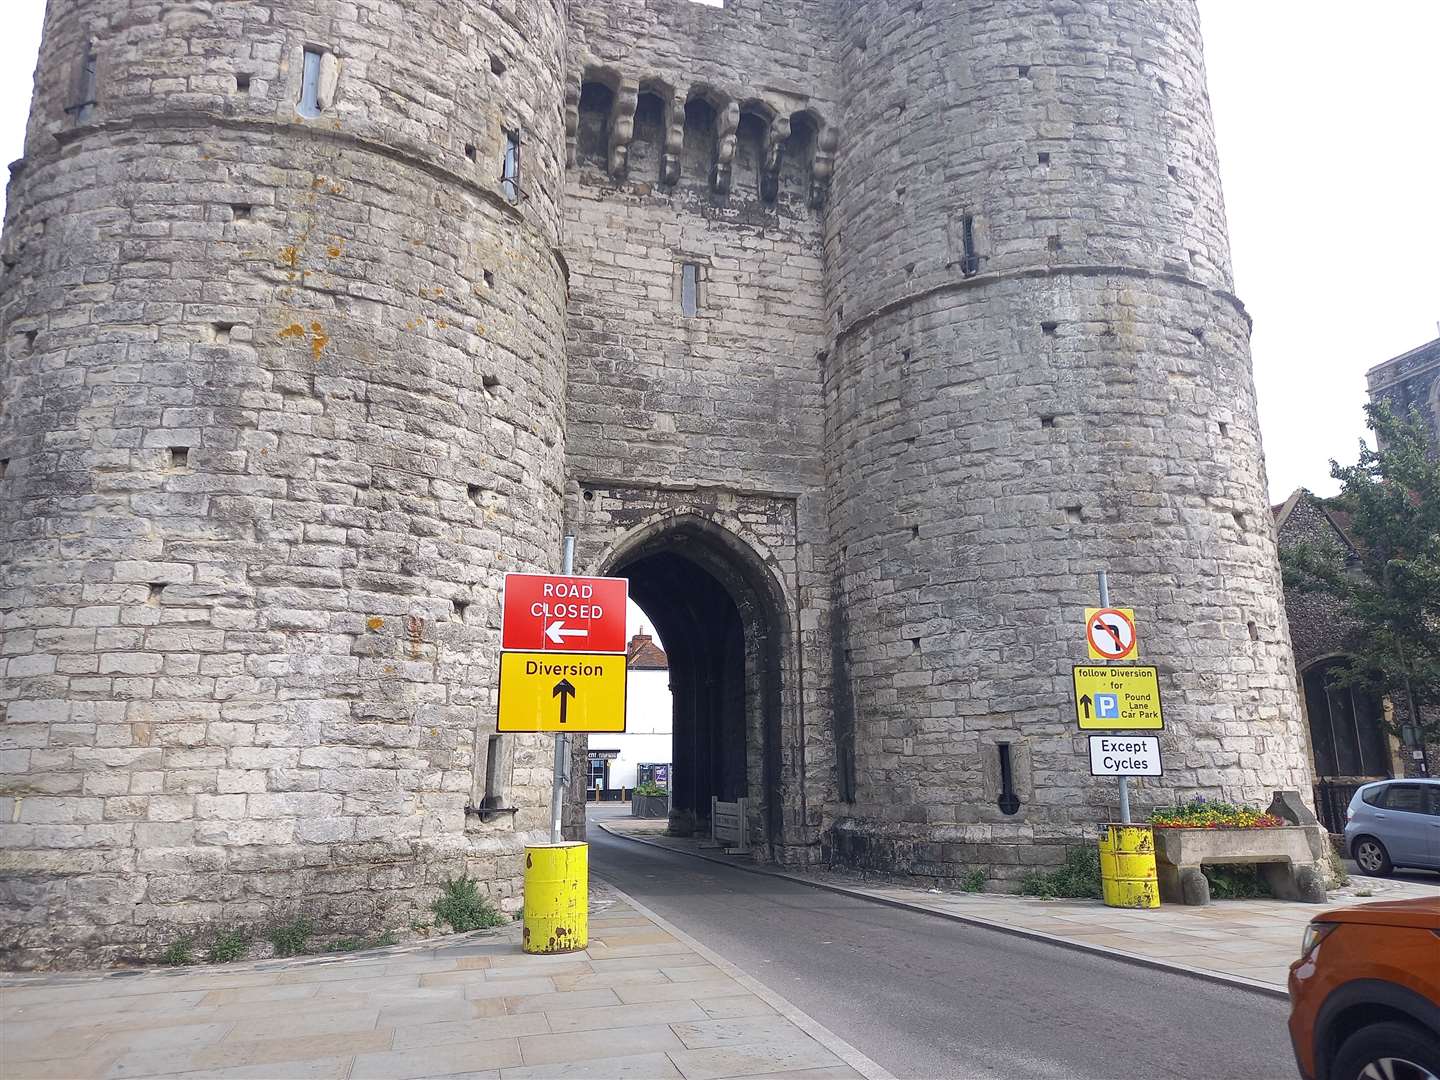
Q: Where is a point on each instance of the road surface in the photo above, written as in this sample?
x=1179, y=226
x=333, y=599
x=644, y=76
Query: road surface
x=926, y=997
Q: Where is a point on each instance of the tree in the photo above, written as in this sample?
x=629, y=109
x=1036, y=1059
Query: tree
x=1391, y=586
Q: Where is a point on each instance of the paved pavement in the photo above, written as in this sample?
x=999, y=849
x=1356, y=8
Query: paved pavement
x=1249, y=941
x=928, y=997
x=642, y=1001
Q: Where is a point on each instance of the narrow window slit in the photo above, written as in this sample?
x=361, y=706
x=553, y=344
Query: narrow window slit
x=460, y=606
x=497, y=65
x=179, y=457
x=476, y=493
x=221, y=332
x=470, y=151
x=510, y=167
x=1043, y=157
x=1009, y=802
x=690, y=290
x=153, y=594
x=4, y=465
x=242, y=82
x=490, y=382
x=1239, y=520
x=1074, y=515
x=489, y=279
x=1049, y=327
x=241, y=211
x=1047, y=421
x=970, y=264
x=1254, y=630
x=310, y=84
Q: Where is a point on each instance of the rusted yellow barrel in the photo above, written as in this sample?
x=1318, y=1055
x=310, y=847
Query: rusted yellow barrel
x=557, y=909
x=1127, y=866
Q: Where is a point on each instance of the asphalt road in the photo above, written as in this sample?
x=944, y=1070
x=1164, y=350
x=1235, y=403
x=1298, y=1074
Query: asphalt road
x=926, y=997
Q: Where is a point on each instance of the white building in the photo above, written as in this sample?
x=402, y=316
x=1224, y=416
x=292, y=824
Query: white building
x=619, y=762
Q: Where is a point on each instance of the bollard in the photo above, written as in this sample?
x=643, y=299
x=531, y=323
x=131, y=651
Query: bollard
x=557, y=907
x=1127, y=866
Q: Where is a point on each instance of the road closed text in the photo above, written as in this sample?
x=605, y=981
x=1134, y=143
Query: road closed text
x=1125, y=755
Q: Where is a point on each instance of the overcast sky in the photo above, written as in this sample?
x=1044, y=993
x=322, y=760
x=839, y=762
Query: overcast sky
x=1329, y=125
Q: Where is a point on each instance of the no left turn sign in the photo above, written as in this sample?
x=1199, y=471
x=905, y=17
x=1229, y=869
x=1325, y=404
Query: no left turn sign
x=1110, y=633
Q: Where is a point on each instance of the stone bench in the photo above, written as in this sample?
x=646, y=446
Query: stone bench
x=1288, y=858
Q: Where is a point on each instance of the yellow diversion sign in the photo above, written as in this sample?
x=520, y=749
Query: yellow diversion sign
x=1112, y=698
x=546, y=691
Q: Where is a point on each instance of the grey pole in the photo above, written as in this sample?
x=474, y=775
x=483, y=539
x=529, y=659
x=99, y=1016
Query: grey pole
x=562, y=742
x=1124, y=780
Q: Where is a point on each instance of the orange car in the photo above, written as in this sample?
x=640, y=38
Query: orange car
x=1365, y=993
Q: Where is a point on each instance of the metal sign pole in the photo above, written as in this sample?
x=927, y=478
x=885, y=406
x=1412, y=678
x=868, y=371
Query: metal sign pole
x=562, y=741
x=1124, y=780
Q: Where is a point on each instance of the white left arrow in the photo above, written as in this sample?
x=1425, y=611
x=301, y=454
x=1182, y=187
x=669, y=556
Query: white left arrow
x=557, y=633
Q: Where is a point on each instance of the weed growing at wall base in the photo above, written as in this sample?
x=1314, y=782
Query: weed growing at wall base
x=461, y=905
x=1079, y=878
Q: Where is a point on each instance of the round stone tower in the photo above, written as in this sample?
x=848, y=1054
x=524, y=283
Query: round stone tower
x=1039, y=372
x=283, y=375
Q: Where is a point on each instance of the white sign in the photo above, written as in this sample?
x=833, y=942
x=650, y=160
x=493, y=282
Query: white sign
x=1125, y=755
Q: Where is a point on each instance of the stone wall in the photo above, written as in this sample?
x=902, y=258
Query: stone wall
x=283, y=401
x=1411, y=381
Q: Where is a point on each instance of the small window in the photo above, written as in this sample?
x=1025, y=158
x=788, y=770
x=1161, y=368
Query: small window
x=310, y=85
x=1008, y=801
x=82, y=100
x=690, y=290
x=1405, y=798
x=1373, y=795
x=510, y=169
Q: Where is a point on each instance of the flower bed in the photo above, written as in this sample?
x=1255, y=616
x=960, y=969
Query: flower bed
x=1203, y=814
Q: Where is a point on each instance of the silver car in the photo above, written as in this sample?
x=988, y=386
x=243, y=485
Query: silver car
x=1394, y=823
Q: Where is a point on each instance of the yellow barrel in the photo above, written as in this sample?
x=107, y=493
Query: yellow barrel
x=557, y=908
x=1127, y=866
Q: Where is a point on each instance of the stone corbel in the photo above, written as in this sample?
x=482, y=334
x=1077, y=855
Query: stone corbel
x=774, y=156
x=622, y=127
x=727, y=123
x=823, y=167
x=674, y=141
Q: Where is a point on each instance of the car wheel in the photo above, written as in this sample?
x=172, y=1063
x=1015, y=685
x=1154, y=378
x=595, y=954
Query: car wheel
x=1372, y=857
x=1387, y=1052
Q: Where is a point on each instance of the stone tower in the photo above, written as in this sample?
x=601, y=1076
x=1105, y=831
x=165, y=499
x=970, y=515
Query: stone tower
x=1040, y=373
x=283, y=400
x=859, y=335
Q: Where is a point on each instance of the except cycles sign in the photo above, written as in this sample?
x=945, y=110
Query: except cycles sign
x=1125, y=755
x=556, y=613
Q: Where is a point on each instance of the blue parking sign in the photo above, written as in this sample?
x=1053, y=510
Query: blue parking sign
x=1107, y=705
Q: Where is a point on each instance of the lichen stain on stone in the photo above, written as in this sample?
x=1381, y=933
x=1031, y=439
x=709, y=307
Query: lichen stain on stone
x=294, y=330
x=336, y=249
x=318, y=339
x=290, y=256
x=375, y=622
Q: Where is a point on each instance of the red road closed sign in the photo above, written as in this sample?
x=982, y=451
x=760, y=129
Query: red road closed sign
x=555, y=613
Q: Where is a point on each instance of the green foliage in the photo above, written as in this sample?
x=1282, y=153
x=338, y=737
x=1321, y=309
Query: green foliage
x=229, y=946
x=354, y=944
x=1235, y=882
x=1390, y=586
x=178, y=954
x=1078, y=878
x=973, y=880
x=290, y=939
x=461, y=905
x=650, y=790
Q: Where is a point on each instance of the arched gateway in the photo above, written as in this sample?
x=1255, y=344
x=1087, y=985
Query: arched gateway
x=727, y=628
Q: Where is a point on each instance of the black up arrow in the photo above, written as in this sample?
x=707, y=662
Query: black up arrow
x=564, y=691
x=1085, y=701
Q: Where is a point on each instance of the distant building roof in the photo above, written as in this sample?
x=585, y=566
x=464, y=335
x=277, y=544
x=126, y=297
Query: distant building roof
x=645, y=655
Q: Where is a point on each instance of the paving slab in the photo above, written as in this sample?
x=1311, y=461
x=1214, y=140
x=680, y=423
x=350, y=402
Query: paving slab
x=648, y=1003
